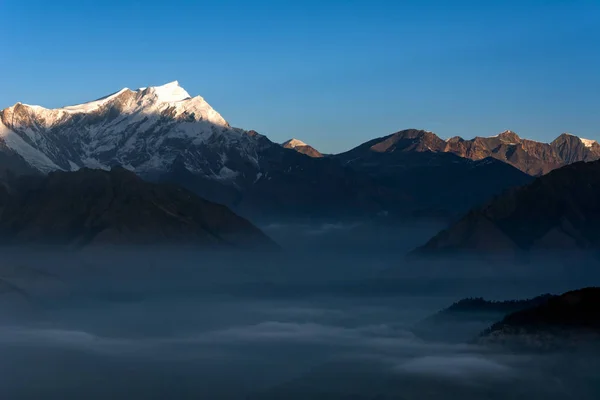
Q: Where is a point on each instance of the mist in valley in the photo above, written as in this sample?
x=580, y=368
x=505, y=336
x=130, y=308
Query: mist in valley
x=338, y=313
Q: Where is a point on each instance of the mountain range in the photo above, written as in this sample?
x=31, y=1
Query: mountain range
x=533, y=158
x=163, y=134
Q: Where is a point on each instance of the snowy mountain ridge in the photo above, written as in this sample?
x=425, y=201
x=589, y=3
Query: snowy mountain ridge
x=144, y=130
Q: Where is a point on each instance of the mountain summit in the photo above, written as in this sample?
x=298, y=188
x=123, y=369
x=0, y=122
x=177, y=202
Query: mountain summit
x=143, y=130
x=302, y=147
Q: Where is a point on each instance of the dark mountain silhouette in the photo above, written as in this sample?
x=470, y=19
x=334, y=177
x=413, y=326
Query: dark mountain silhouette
x=459, y=321
x=558, y=211
x=115, y=207
x=479, y=304
x=567, y=320
x=431, y=183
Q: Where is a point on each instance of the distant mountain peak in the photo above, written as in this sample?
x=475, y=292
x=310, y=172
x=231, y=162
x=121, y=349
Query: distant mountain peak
x=509, y=136
x=455, y=139
x=301, y=147
x=532, y=157
x=171, y=92
x=408, y=140
x=413, y=133
x=143, y=129
x=292, y=143
x=145, y=98
x=569, y=136
x=565, y=136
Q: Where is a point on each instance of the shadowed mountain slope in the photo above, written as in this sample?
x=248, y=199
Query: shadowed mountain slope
x=558, y=211
x=115, y=207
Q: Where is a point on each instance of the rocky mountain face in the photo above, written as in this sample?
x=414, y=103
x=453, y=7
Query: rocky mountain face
x=569, y=320
x=558, y=211
x=90, y=207
x=302, y=147
x=571, y=149
x=533, y=158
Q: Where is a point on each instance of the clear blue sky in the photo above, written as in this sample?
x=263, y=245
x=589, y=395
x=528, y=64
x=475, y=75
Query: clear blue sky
x=332, y=73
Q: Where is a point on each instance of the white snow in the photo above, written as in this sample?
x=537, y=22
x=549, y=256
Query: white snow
x=94, y=164
x=74, y=167
x=140, y=136
x=92, y=105
x=587, y=142
x=161, y=97
x=170, y=93
x=34, y=157
x=226, y=173
x=293, y=143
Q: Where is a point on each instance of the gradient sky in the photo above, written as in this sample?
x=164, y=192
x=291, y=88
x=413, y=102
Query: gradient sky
x=332, y=73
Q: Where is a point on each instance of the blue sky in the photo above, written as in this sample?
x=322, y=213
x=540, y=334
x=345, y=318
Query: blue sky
x=332, y=73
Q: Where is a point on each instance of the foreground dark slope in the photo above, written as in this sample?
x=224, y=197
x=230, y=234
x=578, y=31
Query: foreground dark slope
x=459, y=322
x=115, y=207
x=559, y=211
x=569, y=320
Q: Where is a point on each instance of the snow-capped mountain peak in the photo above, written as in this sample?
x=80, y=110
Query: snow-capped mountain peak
x=92, y=105
x=170, y=92
x=293, y=143
x=144, y=130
